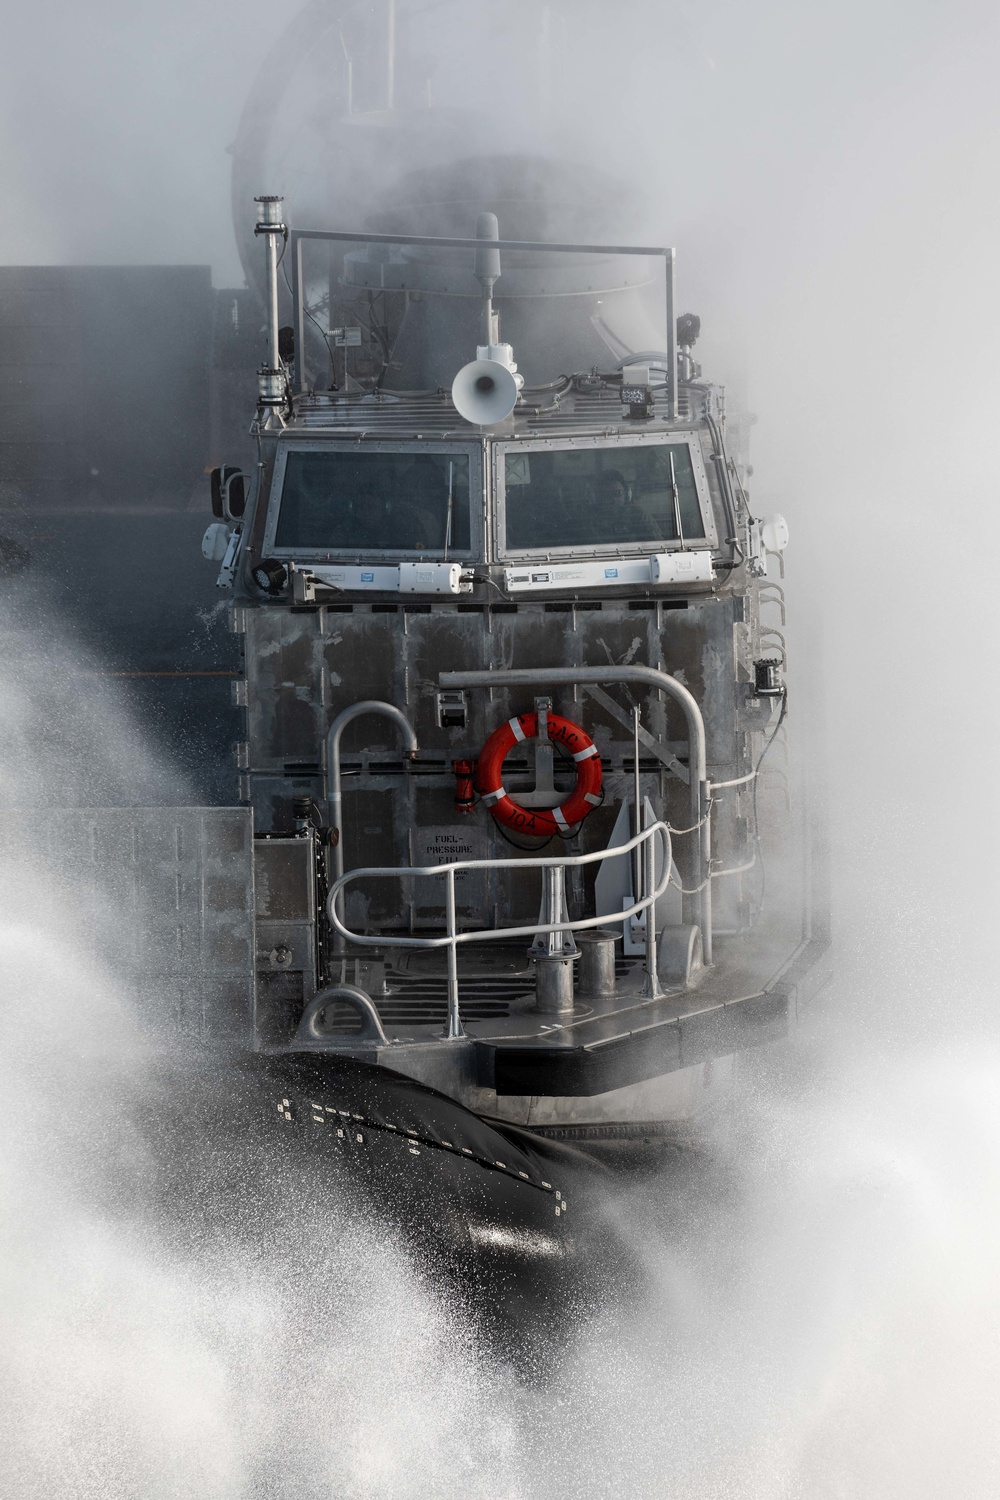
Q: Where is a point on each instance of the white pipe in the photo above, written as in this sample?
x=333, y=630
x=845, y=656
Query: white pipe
x=273, y=356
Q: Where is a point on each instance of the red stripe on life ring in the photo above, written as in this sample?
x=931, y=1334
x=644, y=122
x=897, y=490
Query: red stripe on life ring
x=540, y=822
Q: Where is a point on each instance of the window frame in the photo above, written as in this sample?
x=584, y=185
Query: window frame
x=297, y=444
x=609, y=442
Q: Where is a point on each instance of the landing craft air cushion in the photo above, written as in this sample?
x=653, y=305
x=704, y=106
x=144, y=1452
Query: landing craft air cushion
x=510, y=691
x=521, y=858
x=490, y=907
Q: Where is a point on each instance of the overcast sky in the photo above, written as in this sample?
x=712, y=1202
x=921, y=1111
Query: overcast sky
x=764, y=118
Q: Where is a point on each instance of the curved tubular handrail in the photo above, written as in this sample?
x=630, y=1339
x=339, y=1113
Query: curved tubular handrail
x=453, y=937
x=482, y=935
x=699, y=793
x=335, y=799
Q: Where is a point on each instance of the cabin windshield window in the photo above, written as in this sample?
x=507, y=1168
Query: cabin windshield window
x=366, y=501
x=601, y=497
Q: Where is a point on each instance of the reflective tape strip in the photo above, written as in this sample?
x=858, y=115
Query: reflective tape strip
x=557, y=814
x=489, y=797
x=592, y=799
x=516, y=729
x=585, y=754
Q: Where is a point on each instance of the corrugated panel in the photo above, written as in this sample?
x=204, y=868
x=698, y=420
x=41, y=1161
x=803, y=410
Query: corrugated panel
x=169, y=892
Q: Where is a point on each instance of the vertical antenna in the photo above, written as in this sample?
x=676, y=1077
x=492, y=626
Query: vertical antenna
x=349, y=77
x=669, y=272
x=488, y=272
x=390, y=60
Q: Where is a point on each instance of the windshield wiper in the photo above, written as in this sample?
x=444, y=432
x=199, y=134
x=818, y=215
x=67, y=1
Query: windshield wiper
x=677, y=500
x=451, y=506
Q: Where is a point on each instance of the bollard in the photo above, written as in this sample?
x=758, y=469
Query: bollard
x=596, y=975
x=554, y=984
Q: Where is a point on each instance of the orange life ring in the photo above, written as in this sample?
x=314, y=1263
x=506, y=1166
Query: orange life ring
x=540, y=822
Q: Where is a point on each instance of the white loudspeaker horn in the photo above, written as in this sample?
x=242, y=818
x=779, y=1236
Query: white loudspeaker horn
x=484, y=392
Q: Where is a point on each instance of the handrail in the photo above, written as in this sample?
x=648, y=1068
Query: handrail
x=335, y=798
x=718, y=786
x=453, y=937
x=700, y=799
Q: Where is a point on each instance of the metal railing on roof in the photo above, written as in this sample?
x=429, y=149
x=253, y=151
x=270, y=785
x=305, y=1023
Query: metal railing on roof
x=299, y=237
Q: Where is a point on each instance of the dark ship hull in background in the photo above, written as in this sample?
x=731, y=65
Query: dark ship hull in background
x=115, y=381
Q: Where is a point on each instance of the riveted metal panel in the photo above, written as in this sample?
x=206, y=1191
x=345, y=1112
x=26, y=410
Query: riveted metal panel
x=306, y=665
